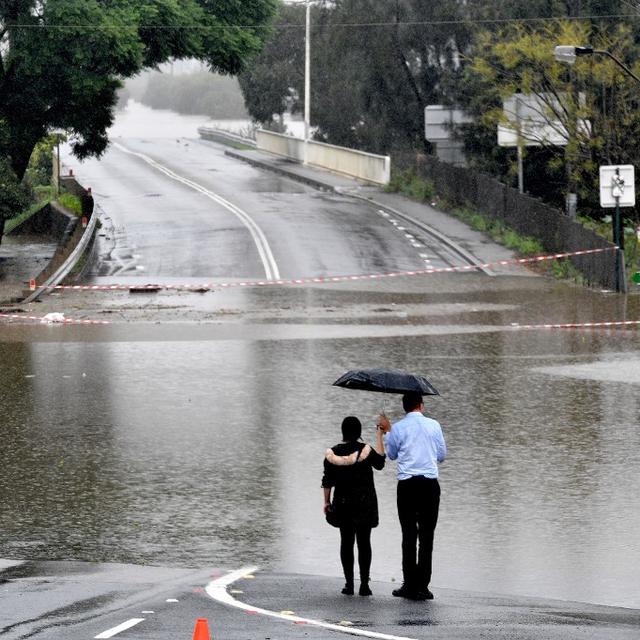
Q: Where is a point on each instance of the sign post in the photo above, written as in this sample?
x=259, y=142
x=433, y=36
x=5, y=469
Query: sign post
x=617, y=189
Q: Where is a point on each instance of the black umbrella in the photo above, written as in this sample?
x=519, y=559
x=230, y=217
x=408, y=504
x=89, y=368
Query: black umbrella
x=386, y=381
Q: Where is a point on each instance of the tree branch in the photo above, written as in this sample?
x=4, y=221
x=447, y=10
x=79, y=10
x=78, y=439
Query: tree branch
x=403, y=61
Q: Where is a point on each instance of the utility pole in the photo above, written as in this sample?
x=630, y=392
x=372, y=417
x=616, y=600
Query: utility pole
x=307, y=82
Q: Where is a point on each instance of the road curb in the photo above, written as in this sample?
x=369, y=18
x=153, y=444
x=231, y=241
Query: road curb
x=469, y=257
x=317, y=184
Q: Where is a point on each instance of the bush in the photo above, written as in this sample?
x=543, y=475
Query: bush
x=411, y=185
x=70, y=202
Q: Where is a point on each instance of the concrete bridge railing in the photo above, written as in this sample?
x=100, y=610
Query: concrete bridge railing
x=350, y=162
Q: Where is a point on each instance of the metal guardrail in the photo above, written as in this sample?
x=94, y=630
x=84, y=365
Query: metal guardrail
x=220, y=135
x=68, y=264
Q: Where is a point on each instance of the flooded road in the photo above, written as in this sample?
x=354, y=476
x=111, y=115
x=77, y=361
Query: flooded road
x=159, y=441
x=191, y=430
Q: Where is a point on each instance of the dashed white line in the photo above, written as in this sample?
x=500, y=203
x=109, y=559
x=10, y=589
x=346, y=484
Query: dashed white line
x=217, y=589
x=120, y=628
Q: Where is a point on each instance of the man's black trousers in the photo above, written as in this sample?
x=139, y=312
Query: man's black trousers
x=418, y=504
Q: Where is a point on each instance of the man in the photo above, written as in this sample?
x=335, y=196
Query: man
x=418, y=445
x=86, y=202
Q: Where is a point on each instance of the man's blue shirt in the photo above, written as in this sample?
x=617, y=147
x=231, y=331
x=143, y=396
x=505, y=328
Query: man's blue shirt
x=418, y=445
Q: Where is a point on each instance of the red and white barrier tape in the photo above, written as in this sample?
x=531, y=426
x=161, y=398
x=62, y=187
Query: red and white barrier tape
x=614, y=324
x=44, y=320
x=582, y=325
x=322, y=280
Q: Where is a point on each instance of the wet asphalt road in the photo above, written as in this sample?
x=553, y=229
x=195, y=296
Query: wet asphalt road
x=158, y=226
x=75, y=601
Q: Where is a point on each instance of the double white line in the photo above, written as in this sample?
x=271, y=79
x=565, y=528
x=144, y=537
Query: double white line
x=264, y=250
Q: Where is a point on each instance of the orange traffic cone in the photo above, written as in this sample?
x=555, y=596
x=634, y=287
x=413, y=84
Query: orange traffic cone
x=201, y=632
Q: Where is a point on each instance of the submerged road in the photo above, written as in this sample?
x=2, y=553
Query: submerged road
x=181, y=208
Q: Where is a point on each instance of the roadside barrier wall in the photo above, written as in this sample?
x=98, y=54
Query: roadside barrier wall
x=525, y=214
x=51, y=221
x=351, y=162
x=72, y=234
x=225, y=137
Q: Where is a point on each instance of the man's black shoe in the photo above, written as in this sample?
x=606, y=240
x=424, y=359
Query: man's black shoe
x=425, y=594
x=405, y=592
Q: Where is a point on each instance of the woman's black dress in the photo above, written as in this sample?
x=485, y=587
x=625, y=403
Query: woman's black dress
x=348, y=467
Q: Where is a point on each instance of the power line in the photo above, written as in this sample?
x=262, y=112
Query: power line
x=410, y=23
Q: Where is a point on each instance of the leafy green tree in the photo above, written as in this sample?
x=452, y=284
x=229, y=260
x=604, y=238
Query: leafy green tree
x=519, y=59
x=274, y=80
x=61, y=61
x=375, y=65
x=14, y=196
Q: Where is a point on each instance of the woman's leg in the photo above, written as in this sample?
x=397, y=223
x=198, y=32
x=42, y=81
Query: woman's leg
x=363, y=536
x=347, y=540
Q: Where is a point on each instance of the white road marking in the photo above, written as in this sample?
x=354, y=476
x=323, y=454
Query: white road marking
x=264, y=250
x=171, y=600
x=121, y=627
x=217, y=589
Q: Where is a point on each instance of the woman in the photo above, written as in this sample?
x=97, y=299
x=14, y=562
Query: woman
x=348, y=469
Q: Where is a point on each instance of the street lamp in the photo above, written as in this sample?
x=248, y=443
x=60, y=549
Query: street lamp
x=569, y=54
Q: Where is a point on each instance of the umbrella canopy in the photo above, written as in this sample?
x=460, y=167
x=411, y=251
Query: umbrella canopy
x=386, y=381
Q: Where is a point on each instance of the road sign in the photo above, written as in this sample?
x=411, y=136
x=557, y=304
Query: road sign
x=617, y=186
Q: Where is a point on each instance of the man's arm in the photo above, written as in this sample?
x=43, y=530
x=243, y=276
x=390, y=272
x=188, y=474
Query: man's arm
x=442, y=447
x=389, y=439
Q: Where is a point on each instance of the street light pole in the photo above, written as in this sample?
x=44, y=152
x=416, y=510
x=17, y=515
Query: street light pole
x=307, y=82
x=569, y=54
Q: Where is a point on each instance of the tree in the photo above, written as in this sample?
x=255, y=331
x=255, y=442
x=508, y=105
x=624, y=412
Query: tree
x=274, y=79
x=61, y=61
x=593, y=102
x=375, y=65
x=14, y=196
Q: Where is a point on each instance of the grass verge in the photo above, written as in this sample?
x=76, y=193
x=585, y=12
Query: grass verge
x=414, y=186
x=70, y=203
x=43, y=195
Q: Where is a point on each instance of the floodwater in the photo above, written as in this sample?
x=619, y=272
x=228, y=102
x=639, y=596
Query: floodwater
x=139, y=121
x=191, y=431
x=202, y=443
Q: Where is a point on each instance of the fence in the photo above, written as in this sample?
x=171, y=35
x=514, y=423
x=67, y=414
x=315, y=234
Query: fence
x=526, y=215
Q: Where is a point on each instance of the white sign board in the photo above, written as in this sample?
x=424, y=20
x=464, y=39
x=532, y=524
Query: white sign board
x=617, y=186
x=439, y=120
x=530, y=121
x=531, y=135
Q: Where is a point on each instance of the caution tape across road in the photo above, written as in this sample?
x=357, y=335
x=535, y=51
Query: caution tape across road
x=324, y=279
x=45, y=320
